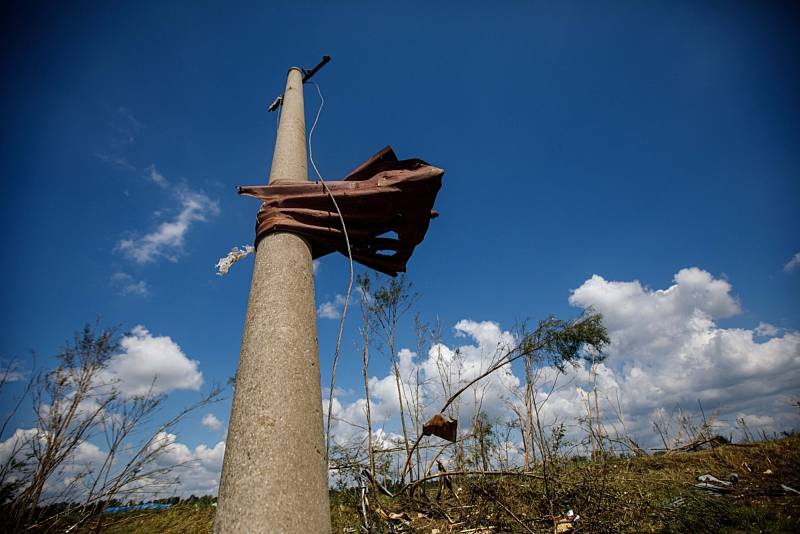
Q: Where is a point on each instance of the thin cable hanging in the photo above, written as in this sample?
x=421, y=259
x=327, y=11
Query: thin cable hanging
x=337, y=351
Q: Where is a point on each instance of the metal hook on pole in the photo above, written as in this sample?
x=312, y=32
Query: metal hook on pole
x=307, y=75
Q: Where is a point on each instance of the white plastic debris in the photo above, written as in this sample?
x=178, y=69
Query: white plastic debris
x=712, y=488
x=676, y=503
x=713, y=480
x=566, y=522
x=789, y=489
x=236, y=254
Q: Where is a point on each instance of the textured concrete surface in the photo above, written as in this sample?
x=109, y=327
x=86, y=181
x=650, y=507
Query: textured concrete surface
x=274, y=476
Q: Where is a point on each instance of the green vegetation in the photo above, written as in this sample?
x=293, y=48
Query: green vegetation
x=637, y=494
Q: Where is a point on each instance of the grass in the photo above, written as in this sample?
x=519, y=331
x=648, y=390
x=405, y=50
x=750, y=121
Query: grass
x=182, y=518
x=612, y=495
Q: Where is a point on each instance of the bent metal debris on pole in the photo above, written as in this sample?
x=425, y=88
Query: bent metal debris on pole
x=382, y=196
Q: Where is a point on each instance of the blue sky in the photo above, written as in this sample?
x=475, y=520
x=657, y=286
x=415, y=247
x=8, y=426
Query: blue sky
x=622, y=140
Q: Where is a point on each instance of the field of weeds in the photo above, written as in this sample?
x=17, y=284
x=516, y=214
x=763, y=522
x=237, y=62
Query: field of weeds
x=639, y=494
x=644, y=494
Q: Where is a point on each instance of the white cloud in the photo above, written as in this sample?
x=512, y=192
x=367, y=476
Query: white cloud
x=115, y=161
x=667, y=352
x=793, y=263
x=337, y=391
x=330, y=309
x=442, y=364
x=10, y=373
x=156, y=177
x=766, y=330
x=315, y=266
x=168, y=239
x=211, y=422
x=16, y=446
x=197, y=469
x=201, y=466
x=146, y=360
x=67, y=481
x=126, y=284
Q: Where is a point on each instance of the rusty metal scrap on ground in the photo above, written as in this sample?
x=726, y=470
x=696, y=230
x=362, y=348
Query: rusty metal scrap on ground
x=381, y=196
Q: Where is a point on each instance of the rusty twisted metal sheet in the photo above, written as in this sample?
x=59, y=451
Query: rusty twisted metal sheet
x=442, y=427
x=381, y=196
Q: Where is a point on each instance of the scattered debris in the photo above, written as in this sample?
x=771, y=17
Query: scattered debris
x=711, y=488
x=566, y=522
x=236, y=254
x=713, y=479
x=701, y=444
x=680, y=494
x=381, y=487
x=676, y=503
x=712, y=484
x=445, y=484
x=402, y=516
x=788, y=489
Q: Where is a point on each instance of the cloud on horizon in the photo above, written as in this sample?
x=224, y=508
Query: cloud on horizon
x=198, y=468
x=667, y=353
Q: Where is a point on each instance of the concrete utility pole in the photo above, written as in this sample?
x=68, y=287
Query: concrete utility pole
x=275, y=476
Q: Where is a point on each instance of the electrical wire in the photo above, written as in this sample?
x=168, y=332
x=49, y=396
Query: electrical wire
x=337, y=351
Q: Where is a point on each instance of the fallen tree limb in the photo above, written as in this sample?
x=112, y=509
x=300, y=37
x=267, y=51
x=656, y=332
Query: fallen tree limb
x=460, y=473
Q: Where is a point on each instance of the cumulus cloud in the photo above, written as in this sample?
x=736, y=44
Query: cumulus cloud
x=440, y=373
x=211, y=422
x=667, y=353
x=168, y=239
x=793, y=263
x=199, y=469
x=126, y=284
x=196, y=469
x=766, y=330
x=667, y=349
x=17, y=445
x=65, y=483
x=330, y=309
x=146, y=361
